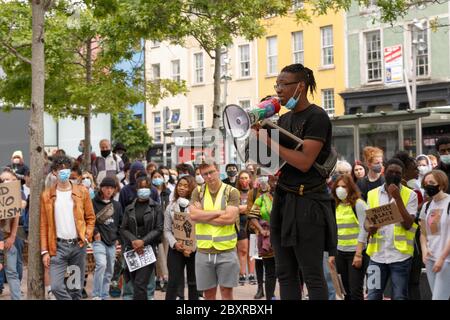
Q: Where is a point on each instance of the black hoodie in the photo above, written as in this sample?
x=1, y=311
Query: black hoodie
x=109, y=231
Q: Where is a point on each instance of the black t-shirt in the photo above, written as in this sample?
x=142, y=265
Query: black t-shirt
x=313, y=123
x=141, y=207
x=365, y=185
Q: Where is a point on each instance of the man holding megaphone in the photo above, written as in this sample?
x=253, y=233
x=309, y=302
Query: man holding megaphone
x=303, y=225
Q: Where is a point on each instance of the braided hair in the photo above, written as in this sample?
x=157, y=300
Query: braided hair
x=304, y=74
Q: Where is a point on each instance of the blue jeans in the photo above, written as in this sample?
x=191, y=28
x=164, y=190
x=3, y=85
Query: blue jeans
x=439, y=282
x=19, y=243
x=378, y=275
x=104, y=266
x=11, y=272
x=326, y=272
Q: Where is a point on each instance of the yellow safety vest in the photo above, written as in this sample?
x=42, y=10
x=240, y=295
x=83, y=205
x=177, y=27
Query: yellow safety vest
x=403, y=239
x=210, y=236
x=348, y=226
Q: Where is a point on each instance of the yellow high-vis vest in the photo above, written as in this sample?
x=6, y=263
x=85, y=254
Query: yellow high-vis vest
x=403, y=239
x=210, y=236
x=348, y=226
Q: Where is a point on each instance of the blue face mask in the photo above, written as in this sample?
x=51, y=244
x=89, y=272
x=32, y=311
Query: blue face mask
x=292, y=102
x=64, y=175
x=445, y=158
x=157, y=181
x=143, y=193
x=91, y=193
x=181, y=175
x=81, y=149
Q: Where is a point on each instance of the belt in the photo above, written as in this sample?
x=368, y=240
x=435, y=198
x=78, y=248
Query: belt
x=68, y=241
x=301, y=189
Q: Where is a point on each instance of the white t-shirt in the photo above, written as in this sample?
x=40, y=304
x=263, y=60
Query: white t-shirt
x=437, y=222
x=64, y=218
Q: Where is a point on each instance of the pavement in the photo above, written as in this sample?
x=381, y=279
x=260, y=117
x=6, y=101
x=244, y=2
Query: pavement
x=242, y=292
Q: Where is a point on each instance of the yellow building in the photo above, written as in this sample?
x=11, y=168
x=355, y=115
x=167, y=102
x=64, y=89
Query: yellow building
x=318, y=45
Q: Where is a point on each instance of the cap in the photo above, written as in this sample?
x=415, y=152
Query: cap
x=17, y=153
x=108, y=182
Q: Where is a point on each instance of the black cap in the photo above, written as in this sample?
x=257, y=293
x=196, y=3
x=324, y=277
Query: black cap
x=108, y=182
x=119, y=146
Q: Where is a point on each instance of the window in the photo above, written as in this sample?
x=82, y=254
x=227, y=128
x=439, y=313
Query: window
x=297, y=4
x=223, y=64
x=156, y=71
x=199, y=117
x=328, y=101
x=245, y=104
x=176, y=70
x=198, y=60
x=157, y=126
x=373, y=56
x=327, y=45
x=272, y=58
x=244, y=61
x=175, y=119
x=297, y=47
x=421, y=40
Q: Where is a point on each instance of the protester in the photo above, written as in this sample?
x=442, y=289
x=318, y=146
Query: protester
x=121, y=151
x=232, y=170
x=185, y=169
x=150, y=168
x=215, y=210
x=373, y=158
x=106, y=233
x=435, y=234
x=198, y=178
x=107, y=164
x=87, y=180
x=63, y=238
x=18, y=167
x=359, y=170
x=142, y=225
x=391, y=247
x=434, y=160
x=352, y=237
x=443, y=147
x=424, y=165
x=179, y=257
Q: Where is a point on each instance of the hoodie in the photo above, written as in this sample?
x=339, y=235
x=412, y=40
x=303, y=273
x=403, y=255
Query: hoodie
x=129, y=192
x=109, y=231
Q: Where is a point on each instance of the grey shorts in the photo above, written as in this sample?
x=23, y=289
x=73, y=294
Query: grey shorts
x=212, y=270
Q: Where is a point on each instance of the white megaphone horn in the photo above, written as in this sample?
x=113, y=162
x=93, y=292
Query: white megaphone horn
x=238, y=122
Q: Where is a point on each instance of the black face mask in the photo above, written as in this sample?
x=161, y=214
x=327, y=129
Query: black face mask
x=231, y=173
x=431, y=190
x=105, y=153
x=393, y=179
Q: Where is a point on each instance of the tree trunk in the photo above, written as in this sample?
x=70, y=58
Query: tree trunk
x=35, y=279
x=87, y=117
x=217, y=105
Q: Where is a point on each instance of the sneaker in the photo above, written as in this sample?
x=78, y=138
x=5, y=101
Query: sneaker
x=96, y=298
x=158, y=286
x=252, y=279
x=242, y=279
x=164, y=286
x=50, y=295
x=84, y=294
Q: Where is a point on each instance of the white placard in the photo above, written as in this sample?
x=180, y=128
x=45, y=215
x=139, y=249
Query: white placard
x=136, y=261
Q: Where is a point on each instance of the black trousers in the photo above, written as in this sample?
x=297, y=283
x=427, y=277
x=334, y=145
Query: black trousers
x=307, y=256
x=140, y=279
x=259, y=268
x=269, y=268
x=176, y=262
x=352, y=278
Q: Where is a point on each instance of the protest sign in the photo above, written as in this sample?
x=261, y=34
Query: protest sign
x=384, y=215
x=183, y=229
x=10, y=200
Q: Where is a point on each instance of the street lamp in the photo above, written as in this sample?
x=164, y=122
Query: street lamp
x=416, y=45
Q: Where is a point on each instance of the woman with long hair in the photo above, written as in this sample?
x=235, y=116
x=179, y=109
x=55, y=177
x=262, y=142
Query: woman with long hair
x=373, y=158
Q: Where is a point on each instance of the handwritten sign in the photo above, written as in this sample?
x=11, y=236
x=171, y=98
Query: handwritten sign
x=10, y=200
x=384, y=215
x=183, y=229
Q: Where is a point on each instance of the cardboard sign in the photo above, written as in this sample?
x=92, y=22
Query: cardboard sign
x=384, y=215
x=183, y=229
x=337, y=283
x=10, y=200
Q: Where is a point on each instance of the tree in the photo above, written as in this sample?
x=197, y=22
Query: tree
x=132, y=133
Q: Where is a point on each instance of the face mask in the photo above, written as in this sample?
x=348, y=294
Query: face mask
x=91, y=194
x=412, y=184
x=181, y=175
x=199, y=179
x=245, y=184
x=166, y=178
x=105, y=153
x=87, y=183
x=120, y=153
x=174, y=178
x=80, y=149
x=231, y=173
x=157, y=182
x=64, y=175
x=16, y=161
x=377, y=168
x=74, y=181
x=431, y=190
x=183, y=202
x=292, y=102
x=393, y=179
x=445, y=158
x=341, y=193
x=143, y=193
x=423, y=170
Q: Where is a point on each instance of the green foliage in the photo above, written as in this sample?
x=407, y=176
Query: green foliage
x=132, y=133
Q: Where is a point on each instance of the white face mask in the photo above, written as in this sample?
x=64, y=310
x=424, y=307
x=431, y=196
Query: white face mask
x=199, y=179
x=166, y=178
x=16, y=160
x=183, y=202
x=87, y=183
x=341, y=193
x=423, y=170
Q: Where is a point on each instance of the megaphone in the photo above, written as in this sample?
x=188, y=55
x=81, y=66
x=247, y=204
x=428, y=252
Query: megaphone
x=238, y=122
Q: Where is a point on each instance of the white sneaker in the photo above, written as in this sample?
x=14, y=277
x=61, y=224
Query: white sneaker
x=96, y=298
x=50, y=295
